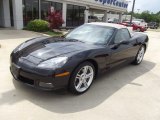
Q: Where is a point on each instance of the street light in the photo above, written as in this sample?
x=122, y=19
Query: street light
x=132, y=11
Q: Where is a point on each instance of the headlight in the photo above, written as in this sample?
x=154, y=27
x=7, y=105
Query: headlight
x=53, y=63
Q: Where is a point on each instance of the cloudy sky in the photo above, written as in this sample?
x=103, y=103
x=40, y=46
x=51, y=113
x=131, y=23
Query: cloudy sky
x=151, y=5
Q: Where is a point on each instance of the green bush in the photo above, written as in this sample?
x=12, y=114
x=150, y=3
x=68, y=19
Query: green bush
x=38, y=26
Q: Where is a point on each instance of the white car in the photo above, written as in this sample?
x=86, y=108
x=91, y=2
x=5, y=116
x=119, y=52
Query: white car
x=93, y=19
x=113, y=20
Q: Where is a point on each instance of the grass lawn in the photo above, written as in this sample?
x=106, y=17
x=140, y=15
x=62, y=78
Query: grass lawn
x=53, y=33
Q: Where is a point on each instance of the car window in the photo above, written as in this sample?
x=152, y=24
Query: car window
x=91, y=33
x=122, y=35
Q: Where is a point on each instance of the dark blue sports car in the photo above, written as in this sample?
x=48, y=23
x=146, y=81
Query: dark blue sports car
x=73, y=61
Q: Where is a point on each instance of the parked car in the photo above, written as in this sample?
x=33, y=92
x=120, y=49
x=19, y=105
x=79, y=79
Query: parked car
x=140, y=22
x=113, y=20
x=92, y=19
x=73, y=61
x=153, y=25
x=134, y=26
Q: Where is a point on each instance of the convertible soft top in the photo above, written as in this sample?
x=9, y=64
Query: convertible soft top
x=108, y=25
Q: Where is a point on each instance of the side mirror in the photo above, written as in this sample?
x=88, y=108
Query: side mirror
x=125, y=42
x=116, y=45
x=122, y=42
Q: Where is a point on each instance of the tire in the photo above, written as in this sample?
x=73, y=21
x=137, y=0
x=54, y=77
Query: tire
x=139, y=57
x=79, y=82
x=138, y=30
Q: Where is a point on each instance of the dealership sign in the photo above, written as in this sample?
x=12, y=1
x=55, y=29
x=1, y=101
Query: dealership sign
x=116, y=3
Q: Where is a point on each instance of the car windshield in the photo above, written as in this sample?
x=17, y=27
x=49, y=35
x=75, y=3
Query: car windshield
x=136, y=22
x=91, y=33
x=152, y=23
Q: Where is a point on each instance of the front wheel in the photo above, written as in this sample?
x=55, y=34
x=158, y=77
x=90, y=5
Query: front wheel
x=138, y=30
x=140, y=55
x=82, y=78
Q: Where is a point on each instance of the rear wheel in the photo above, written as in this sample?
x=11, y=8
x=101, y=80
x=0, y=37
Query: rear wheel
x=138, y=30
x=82, y=78
x=140, y=55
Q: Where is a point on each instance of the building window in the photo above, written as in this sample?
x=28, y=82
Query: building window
x=75, y=15
x=45, y=6
x=30, y=10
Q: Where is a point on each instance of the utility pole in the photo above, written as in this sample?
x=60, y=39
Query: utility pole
x=39, y=8
x=132, y=11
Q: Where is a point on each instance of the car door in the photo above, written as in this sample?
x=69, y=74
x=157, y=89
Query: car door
x=123, y=47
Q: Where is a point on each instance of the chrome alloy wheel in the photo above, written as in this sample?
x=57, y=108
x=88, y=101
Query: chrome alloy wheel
x=140, y=55
x=84, y=78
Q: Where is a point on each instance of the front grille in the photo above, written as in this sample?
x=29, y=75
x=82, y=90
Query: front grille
x=26, y=80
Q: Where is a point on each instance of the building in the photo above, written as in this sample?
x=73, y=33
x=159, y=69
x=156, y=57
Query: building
x=17, y=13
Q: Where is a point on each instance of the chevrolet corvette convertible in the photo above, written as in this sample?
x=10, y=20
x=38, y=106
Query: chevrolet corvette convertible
x=74, y=60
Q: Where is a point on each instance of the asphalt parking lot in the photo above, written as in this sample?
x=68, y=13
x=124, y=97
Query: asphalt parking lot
x=125, y=93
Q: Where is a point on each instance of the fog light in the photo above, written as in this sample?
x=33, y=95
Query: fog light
x=46, y=85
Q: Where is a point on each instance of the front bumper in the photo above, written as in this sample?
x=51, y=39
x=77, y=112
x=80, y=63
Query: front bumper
x=48, y=82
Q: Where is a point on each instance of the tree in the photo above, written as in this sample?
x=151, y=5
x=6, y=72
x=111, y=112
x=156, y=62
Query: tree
x=55, y=18
x=148, y=16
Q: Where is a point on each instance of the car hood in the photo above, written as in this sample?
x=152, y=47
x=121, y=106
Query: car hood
x=47, y=48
